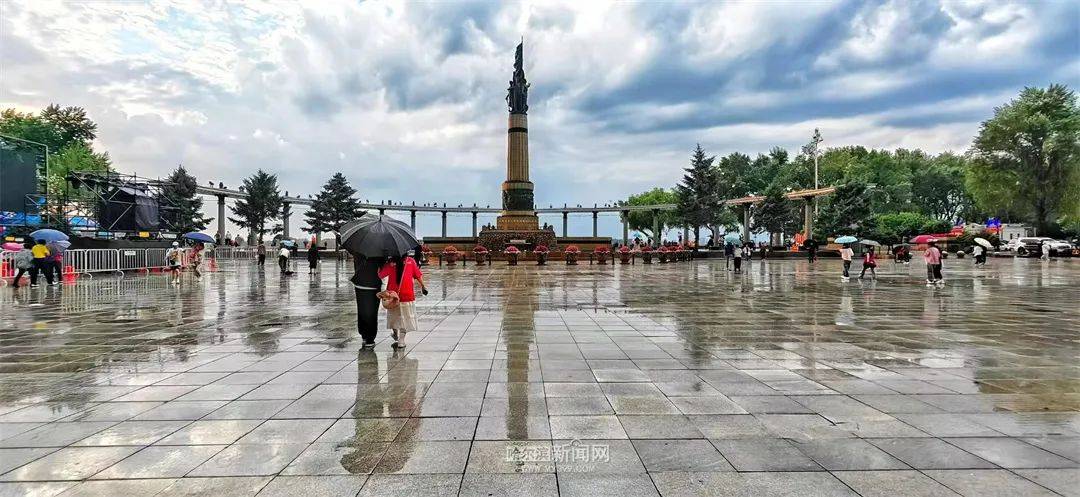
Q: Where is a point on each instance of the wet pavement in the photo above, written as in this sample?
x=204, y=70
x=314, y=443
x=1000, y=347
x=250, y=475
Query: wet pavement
x=676, y=380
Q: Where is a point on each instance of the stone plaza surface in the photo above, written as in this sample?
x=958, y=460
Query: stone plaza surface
x=676, y=380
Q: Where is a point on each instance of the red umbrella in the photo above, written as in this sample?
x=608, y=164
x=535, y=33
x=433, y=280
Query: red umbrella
x=924, y=239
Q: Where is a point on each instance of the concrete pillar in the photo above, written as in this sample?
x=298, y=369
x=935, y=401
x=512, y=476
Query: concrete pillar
x=626, y=227
x=286, y=212
x=595, y=232
x=444, y=224
x=685, y=235
x=808, y=216
x=746, y=223
x=412, y=220
x=474, y=224
x=565, y=222
x=221, y=217
x=656, y=226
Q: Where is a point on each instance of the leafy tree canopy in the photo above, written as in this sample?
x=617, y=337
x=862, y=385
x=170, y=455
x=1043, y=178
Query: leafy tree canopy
x=262, y=204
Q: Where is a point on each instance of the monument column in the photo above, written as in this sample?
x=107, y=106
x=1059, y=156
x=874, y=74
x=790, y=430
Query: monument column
x=221, y=217
x=286, y=211
x=808, y=216
x=412, y=220
x=595, y=232
x=626, y=227
x=518, y=212
x=474, y=224
x=444, y=224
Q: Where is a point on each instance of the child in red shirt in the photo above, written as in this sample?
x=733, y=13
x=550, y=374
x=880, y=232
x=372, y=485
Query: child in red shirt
x=397, y=276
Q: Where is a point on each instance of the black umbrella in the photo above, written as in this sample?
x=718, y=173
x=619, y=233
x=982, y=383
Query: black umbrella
x=377, y=236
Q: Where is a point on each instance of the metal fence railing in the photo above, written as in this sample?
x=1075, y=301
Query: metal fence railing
x=89, y=261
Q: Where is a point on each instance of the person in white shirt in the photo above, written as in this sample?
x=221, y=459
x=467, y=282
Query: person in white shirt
x=283, y=259
x=174, y=257
x=846, y=254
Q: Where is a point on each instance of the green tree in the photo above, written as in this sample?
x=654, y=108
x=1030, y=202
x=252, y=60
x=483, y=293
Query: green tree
x=698, y=201
x=1029, y=153
x=643, y=220
x=776, y=214
x=334, y=206
x=847, y=209
x=76, y=157
x=262, y=203
x=71, y=124
x=898, y=227
x=937, y=189
x=179, y=192
x=28, y=126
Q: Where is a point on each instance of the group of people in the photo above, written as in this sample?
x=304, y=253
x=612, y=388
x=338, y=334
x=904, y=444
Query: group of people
x=869, y=261
x=174, y=258
x=387, y=283
x=36, y=258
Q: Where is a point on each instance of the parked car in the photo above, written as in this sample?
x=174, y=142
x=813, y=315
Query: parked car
x=1027, y=245
x=1061, y=248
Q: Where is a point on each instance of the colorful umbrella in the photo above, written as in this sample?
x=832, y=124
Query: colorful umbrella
x=12, y=246
x=847, y=239
x=199, y=237
x=49, y=235
x=924, y=239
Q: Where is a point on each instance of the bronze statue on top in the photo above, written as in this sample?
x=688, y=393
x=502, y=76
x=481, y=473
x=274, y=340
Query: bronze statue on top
x=517, y=96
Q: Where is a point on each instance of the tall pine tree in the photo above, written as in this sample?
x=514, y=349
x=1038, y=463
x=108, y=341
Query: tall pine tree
x=334, y=206
x=699, y=205
x=262, y=204
x=179, y=193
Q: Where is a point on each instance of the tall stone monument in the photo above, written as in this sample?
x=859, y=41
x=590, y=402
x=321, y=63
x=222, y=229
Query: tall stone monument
x=519, y=212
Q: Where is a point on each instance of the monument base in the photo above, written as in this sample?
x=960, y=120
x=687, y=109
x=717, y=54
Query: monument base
x=518, y=221
x=496, y=240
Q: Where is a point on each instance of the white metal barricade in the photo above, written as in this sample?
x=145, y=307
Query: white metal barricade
x=89, y=261
x=155, y=257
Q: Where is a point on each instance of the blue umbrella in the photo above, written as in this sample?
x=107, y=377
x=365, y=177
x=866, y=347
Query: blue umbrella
x=847, y=239
x=49, y=235
x=732, y=237
x=199, y=237
x=288, y=243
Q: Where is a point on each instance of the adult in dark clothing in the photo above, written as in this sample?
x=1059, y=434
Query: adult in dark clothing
x=367, y=284
x=313, y=256
x=811, y=249
x=729, y=252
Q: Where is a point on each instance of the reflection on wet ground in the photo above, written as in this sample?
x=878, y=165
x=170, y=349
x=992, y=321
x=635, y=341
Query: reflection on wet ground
x=679, y=379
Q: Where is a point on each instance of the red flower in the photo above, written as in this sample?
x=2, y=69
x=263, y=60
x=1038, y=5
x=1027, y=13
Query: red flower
x=512, y=250
x=601, y=249
x=646, y=248
x=450, y=248
x=624, y=249
x=541, y=249
x=573, y=249
x=480, y=248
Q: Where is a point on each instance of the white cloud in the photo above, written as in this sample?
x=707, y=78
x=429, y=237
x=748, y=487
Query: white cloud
x=407, y=98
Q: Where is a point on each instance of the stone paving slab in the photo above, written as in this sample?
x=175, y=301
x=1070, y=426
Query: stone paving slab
x=653, y=380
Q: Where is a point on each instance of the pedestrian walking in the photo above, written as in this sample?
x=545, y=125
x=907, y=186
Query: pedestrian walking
x=729, y=253
x=737, y=257
x=397, y=276
x=260, y=252
x=869, y=261
x=313, y=256
x=932, y=257
x=811, y=250
x=41, y=264
x=196, y=260
x=980, y=254
x=174, y=257
x=367, y=285
x=846, y=255
x=1046, y=250
x=24, y=263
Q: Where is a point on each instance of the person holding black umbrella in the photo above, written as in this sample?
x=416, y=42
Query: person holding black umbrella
x=367, y=284
x=371, y=240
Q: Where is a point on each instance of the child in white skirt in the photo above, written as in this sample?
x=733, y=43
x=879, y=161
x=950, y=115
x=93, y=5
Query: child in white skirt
x=398, y=275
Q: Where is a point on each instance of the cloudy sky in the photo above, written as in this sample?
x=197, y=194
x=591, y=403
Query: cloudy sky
x=406, y=99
